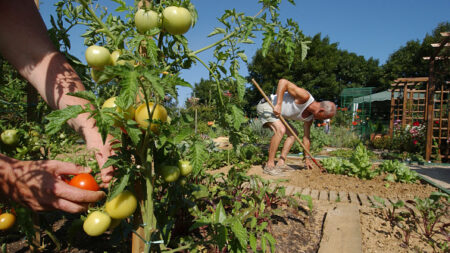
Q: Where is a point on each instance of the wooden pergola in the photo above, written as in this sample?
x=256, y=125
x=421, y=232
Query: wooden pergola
x=427, y=100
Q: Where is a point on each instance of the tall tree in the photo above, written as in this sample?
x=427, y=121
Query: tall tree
x=408, y=60
x=325, y=71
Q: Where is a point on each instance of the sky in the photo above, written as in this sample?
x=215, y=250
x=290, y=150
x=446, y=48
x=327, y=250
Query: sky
x=371, y=28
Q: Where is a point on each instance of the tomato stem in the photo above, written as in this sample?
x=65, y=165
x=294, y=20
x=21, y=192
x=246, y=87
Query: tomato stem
x=219, y=90
x=99, y=21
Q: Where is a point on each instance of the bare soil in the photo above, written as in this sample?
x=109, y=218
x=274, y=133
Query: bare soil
x=377, y=233
x=302, y=233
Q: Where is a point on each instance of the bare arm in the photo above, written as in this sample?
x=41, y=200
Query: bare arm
x=300, y=94
x=25, y=44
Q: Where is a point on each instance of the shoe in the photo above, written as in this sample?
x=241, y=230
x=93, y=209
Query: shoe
x=285, y=167
x=273, y=171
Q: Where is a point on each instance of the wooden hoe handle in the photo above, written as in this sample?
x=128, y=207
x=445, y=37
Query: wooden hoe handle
x=288, y=127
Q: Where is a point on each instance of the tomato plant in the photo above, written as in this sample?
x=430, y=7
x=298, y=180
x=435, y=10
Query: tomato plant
x=146, y=20
x=176, y=20
x=7, y=220
x=97, y=56
x=84, y=181
x=10, y=137
x=96, y=223
x=122, y=205
x=163, y=49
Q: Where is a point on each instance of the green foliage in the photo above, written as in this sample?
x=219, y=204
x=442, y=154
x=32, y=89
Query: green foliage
x=407, y=61
x=324, y=72
x=359, y=164
x=398, y=172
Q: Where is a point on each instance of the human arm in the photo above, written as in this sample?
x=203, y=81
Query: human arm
x=300, y=94
x=38, y=184
x=25, y=44
x=307, y=143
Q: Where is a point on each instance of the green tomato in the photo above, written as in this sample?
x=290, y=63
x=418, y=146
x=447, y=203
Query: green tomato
x=98, y=57
x=10, y=137
x=170, y=173
x=146, y=20
x=115, y=58
x=182, y=180
x=121, y=206
x=127, y=114
x=185, y=167
x=176, y=20
x=96, y=223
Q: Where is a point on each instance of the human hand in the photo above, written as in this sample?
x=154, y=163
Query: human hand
x=308, y=164
x=39, y=185
x=277, y=110
x=102, y=153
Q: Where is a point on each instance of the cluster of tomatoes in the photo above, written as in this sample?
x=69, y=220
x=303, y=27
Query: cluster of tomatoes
x=114, y=211
x=175, y=20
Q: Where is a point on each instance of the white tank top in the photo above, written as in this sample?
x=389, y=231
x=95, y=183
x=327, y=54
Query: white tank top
x=292, y=110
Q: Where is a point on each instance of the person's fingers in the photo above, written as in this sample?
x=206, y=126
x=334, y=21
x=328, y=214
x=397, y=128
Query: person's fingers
x=70, y=207
x=74, y=194
x=65, y=168
x=107, y=175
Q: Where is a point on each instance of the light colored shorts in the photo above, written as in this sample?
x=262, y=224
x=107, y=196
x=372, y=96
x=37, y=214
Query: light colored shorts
x=265, y=113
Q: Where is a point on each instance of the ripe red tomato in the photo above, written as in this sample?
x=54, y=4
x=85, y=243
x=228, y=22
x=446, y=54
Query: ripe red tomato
x=7, y=220
x=98, y=57
x=10, y=137
x=85, y=181
x=146, y=20
x=176, y=20
x=96, y=223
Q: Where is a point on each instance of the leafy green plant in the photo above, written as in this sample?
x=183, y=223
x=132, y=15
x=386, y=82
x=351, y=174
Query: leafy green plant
x=398, y=172
x=431, y=211
x=358, y=165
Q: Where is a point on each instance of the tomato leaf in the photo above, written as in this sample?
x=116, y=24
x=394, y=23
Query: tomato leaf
x=198, y=154
x=156, y=84
x=58, y=118
x=129, y=89
x=217, y=31
x=121, y=186
x=134, y=132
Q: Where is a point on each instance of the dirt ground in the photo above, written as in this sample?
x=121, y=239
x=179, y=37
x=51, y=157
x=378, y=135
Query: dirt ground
x=377, y=234
x=302, y=231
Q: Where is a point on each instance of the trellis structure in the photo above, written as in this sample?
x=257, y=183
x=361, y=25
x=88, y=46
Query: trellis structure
x=410, y=103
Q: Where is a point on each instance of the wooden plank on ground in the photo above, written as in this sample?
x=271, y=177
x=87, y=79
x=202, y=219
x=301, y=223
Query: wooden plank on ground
x=323, y=195
x=289, y=189
x=343, y=196
x=353, y=198
x=315, y=194
x=364, y=200
x=297, y=190
x=306, y=191
x=342, y=230
x=333, y=196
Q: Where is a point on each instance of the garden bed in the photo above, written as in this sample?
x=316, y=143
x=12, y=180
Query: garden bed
x=294, y=230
